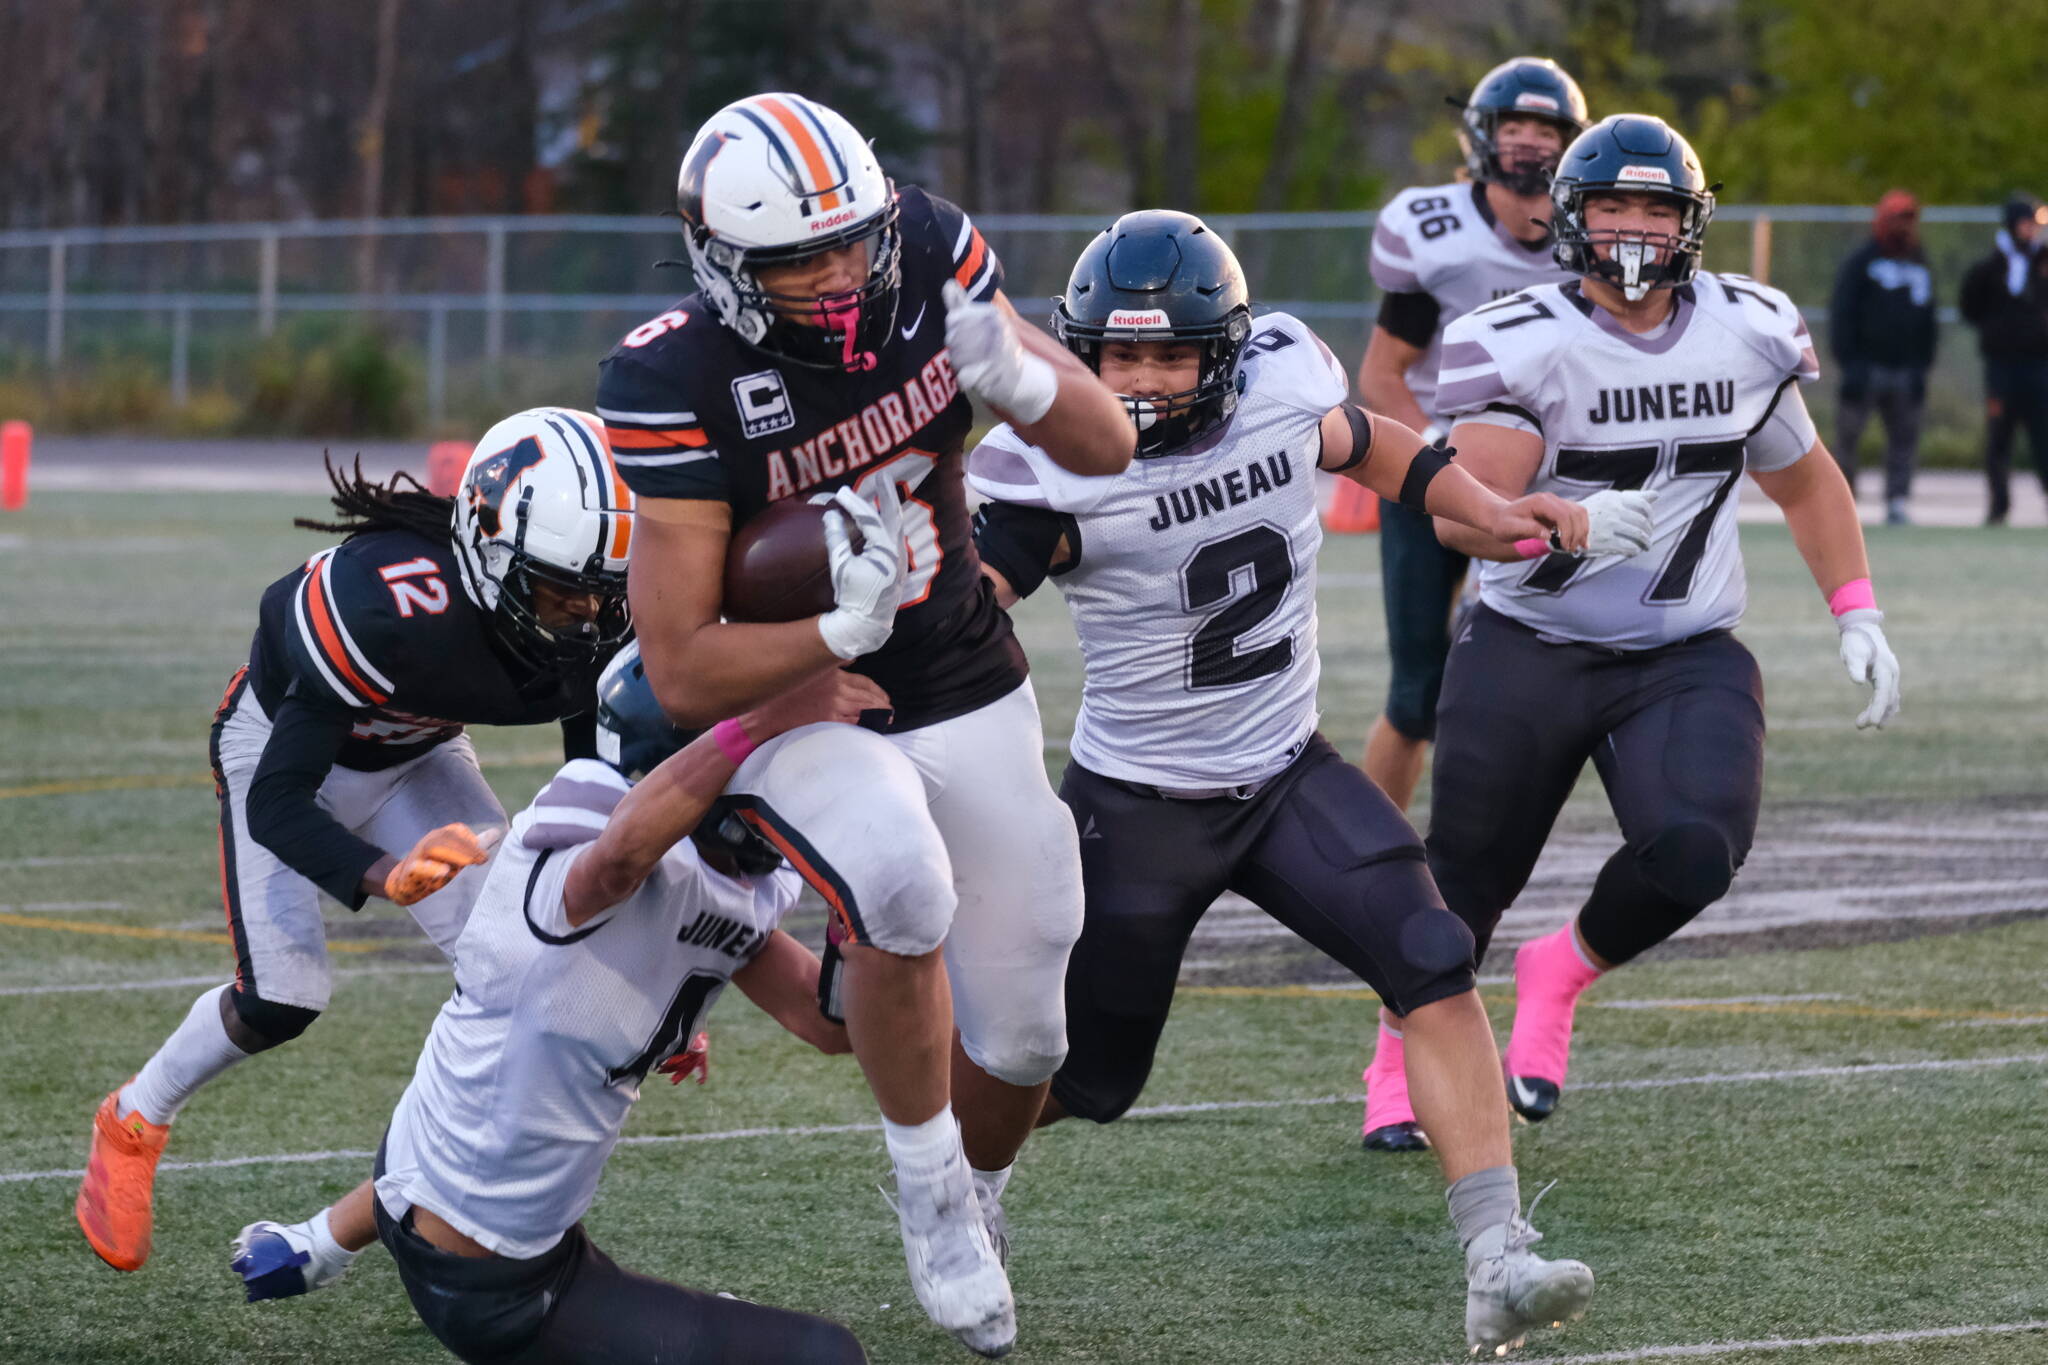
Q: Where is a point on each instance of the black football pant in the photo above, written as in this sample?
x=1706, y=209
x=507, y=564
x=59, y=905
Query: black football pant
x=1318, y=847
x=1676, y=734
x=572, y=1305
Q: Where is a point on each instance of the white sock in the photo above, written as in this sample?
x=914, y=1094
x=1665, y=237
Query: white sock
x=923, y=1146
x=326, y=1250
x=991, y=1181
x=194, y=1054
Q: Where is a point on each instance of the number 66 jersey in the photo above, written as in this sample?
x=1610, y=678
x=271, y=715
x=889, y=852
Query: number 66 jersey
x=1682, y=410
x=1190, y=576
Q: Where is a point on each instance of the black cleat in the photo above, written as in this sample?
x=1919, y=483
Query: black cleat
x=1397, y=1137
x=1534, y=1098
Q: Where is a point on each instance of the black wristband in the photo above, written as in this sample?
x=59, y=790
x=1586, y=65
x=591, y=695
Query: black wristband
x=1429, y=462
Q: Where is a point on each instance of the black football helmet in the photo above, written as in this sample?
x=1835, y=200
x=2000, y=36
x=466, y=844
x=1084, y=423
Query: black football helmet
x=1161, y=275
x=1521, y=87
x=1631, y=153
x=636, y=736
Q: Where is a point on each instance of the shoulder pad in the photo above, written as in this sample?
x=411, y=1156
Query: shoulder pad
x=1401, y=237
x=1007, y=468
x=1285, y=362
x=650, y=419
x=1762, y=315
x=943, y=228
x=1492, y=351
x=338, y=627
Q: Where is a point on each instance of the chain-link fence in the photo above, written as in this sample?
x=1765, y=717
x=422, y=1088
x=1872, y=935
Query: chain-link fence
x=447, y=322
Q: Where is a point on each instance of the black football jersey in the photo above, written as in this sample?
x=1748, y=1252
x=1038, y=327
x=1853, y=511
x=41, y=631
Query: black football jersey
x=380, y=626
x=694, y=411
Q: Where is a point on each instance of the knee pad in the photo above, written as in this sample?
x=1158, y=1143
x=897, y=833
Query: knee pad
x=1016, y=1062
x=1098, y=1103
x=1692, y=864
x=906, y=904
x=1411, y=703
x=1437, y=954
x=269, y=1021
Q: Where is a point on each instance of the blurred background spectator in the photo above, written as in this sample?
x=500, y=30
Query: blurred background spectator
x=2005, y=297
x=1882, y=326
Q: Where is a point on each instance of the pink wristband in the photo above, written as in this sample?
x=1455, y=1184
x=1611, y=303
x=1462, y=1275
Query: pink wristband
x=1535, y=547
x=731, y=738
x=1855, y=595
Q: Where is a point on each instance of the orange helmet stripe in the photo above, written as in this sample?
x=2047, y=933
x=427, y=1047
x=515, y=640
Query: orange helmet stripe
x=806, y=145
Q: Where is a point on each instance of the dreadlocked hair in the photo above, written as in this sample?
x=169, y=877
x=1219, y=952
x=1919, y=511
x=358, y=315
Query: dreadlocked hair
x=367, y=506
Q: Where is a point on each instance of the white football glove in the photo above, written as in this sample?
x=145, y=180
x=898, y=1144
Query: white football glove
x=867, y=587
x=1618, y=521
x=1870, y=660
x=991, y=361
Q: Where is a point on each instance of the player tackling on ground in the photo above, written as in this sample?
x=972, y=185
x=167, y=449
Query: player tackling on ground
x=838, y=327
x=1438, y=252
x=605, y=929
x=1197, y=767
x=1644, y=373
x=339, y=746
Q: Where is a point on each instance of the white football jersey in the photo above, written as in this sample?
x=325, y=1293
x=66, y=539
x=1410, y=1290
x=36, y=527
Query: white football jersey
x=1443, y=241
x=534, y=1062
x=1671, y=411
x=1194, y=589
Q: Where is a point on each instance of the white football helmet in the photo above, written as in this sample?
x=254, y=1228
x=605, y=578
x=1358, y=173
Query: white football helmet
x=774, y=178
x=541, y=502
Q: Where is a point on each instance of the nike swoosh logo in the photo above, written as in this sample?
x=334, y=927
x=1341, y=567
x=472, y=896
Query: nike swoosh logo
x=1523, y=1094
x=911, y=330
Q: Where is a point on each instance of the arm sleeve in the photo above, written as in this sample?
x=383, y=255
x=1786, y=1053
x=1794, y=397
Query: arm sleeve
x=1784, y=436
x=1019, y=542
x=969, y=257
x=1409, y=317
x=283, y=809
x=661, y=448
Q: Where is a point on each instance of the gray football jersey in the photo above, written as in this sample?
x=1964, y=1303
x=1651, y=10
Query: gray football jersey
x=1443, y=241
x=1194, y=589
x=1673, y=411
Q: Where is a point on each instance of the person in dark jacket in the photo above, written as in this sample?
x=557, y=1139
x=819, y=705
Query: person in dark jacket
x=1882, y=328
x=2005, y=297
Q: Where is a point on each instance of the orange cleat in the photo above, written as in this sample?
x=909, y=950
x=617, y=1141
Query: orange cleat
x=120, y=1178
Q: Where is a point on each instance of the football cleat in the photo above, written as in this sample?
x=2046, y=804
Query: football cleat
x=1534, y=1098
x=113, y=1207
x=953, y=1267
x=1397, y=1137
x=280, y=1262
x=988, y=1196
x=1510, y=1291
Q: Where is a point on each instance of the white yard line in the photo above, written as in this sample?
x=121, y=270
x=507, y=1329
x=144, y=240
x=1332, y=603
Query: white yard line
x=1147, y=1111
x=1707, y=1349
x=1687, y=1002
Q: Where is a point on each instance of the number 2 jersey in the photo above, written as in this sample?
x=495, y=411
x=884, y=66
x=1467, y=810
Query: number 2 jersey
x=534, y=1062
x=1683, y=411
x=694, y=411
x=1192, y=575
x=1442, y=242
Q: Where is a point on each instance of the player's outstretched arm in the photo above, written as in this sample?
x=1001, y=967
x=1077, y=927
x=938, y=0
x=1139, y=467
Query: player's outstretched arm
x=1053, y=400
x=703, y=668
x=1820, y=511
x=671, y=801
x=783, y=980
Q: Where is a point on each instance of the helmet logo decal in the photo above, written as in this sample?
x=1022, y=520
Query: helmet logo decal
x=1131, y=317
x=839, y=219
x=493, y=478
x=1529, y=99
x=1643, y=175
x=690, y=188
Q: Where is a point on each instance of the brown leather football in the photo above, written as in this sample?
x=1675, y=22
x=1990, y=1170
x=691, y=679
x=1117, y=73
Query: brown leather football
x=776, y=567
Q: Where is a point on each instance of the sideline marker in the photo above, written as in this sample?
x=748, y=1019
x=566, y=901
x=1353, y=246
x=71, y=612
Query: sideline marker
x=445, y=462
x=1353, y=508
x=15, y=439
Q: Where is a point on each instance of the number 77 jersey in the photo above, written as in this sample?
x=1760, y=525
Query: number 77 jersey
x=1678, y=411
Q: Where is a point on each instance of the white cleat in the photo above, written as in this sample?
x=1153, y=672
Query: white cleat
x=954, y=1269
x=1510, y=1290
x=281, y=1261
x=989, y=1197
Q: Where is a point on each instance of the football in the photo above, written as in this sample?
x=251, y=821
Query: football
x=776, y=568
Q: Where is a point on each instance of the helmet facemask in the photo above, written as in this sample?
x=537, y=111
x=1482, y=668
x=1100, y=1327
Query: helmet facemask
x=840, y=331
x=1525, y=175
x=1635, y=261
x=1168, y=422
x=511, y=577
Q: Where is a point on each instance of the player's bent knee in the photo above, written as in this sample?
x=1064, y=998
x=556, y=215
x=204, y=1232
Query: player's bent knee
x=1438, y=956
x=1098, y=1103
x=1017, y=1060
x=1691, y=863
x=268, y=1022
x=908, y=911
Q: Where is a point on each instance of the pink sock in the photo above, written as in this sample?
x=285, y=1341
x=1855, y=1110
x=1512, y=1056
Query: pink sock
x=1386, y=1083
x=1549, y=974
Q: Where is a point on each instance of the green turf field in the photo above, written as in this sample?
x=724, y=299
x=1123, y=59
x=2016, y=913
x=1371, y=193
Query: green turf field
x=1874, y=1164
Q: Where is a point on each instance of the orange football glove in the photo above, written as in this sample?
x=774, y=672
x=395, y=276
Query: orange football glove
x=433, y=863
x=696, y=1060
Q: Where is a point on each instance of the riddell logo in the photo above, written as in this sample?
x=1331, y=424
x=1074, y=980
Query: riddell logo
x=1530, y=100
x=1130, y=317
x=1644, y=175
x=836, y=220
